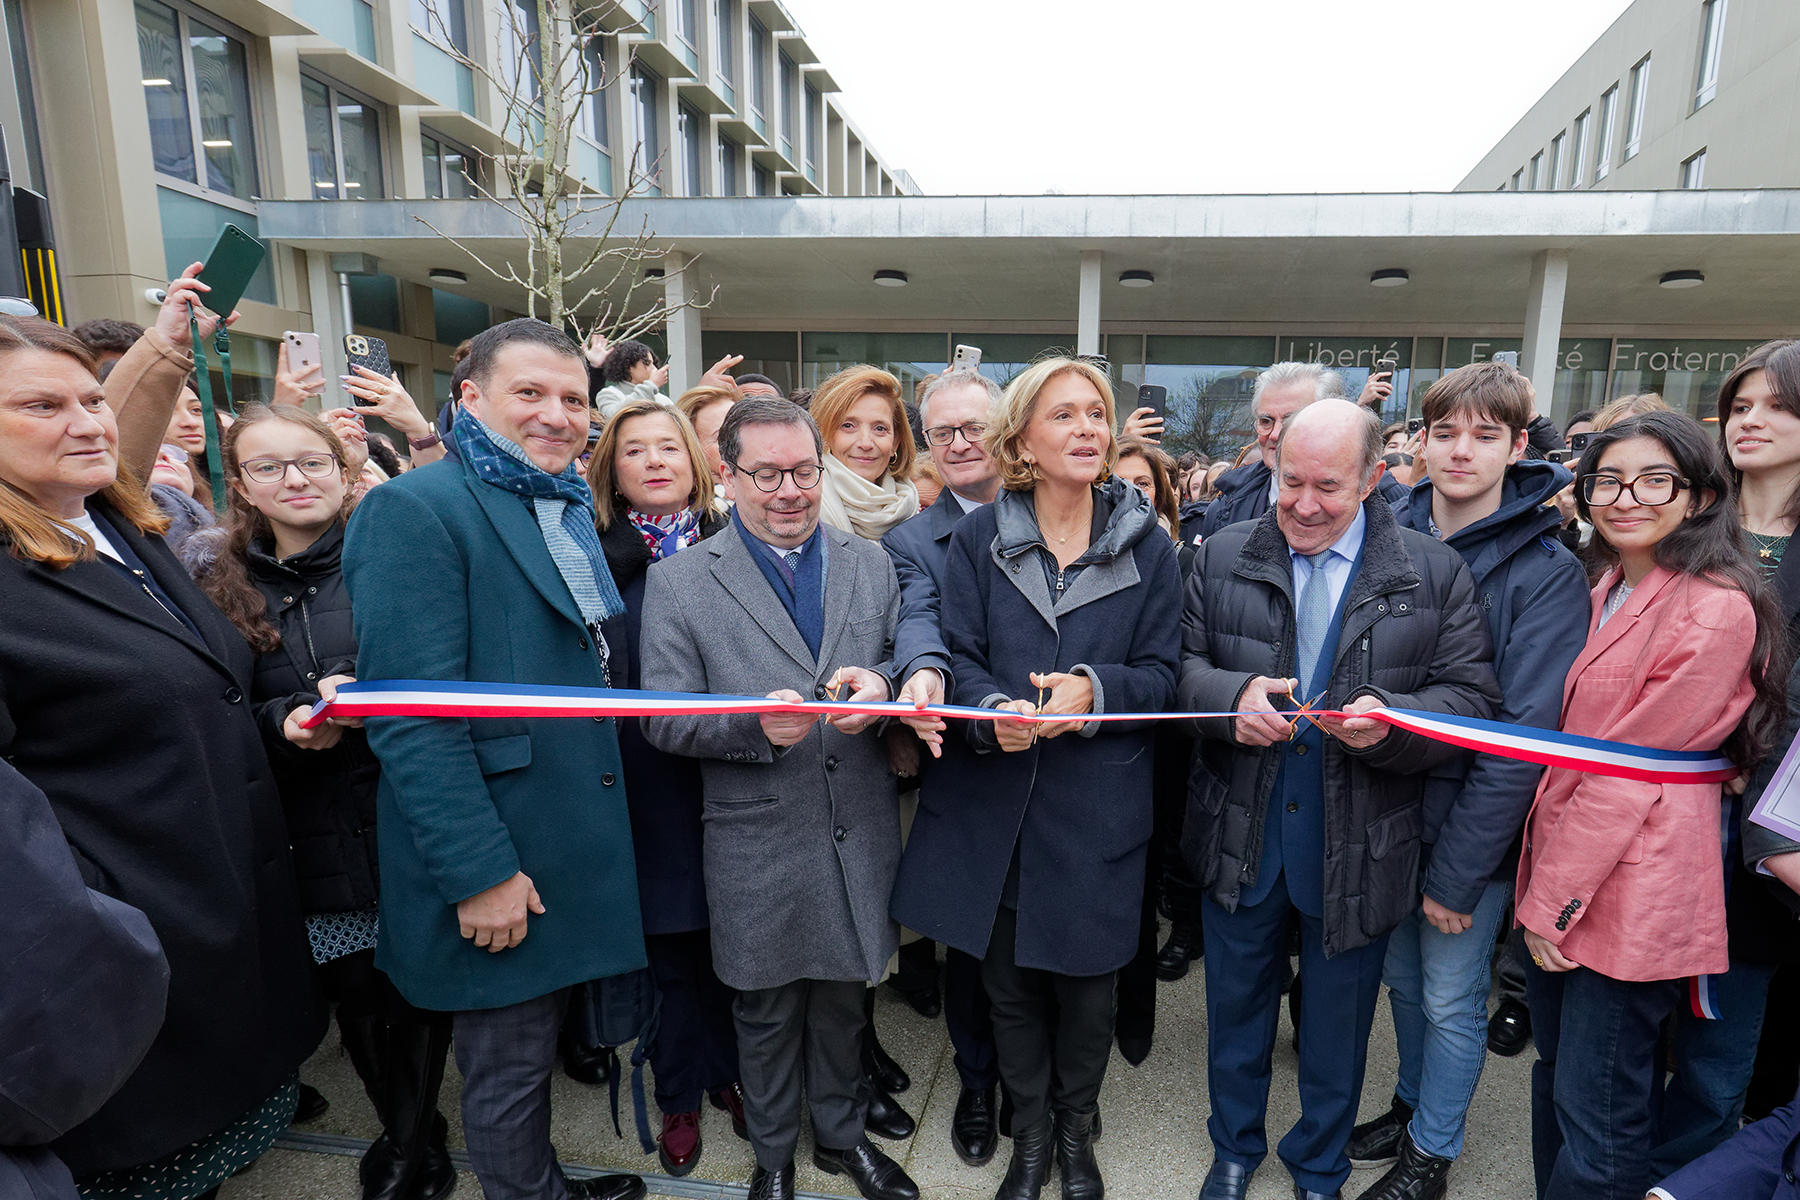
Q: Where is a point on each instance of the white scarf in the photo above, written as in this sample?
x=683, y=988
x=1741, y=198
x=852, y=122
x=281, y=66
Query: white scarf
x=853, y=504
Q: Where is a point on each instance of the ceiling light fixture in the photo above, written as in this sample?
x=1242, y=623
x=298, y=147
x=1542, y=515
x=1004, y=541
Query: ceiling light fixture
x=653, y=272
x=890, y=278
x=1136, y=279
x=158, y=83
x=1390, y=277
x=217, y=144
x=1681, y=279
x=446, y=275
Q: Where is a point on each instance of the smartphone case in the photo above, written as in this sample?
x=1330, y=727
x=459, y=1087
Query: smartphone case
x=230, y=264
x=370, y=352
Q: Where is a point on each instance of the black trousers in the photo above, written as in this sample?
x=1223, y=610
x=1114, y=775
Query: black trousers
x=1137, y=979
x=970, y=1019
x=1053, y=1033
x=696, y=1044
x=807, y=1031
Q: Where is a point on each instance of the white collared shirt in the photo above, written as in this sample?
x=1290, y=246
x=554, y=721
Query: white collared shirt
x=968, y=505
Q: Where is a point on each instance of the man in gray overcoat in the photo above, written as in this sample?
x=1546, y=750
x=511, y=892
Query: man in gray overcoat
x=801, y=816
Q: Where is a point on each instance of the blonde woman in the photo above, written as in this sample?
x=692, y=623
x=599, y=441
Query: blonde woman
x=869, y=452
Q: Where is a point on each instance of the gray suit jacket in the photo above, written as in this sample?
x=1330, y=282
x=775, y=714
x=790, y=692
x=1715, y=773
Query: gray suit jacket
x=801, y=844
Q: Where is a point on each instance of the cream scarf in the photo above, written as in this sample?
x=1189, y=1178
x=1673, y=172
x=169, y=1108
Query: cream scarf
x=853, y=504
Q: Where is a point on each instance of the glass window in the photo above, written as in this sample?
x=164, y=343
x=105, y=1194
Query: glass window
x=686, y=24
x=375, y=301
x=759, y=69
x=814, y=139
x=457, y=317
x=1355, y=359
x=443, y=21
x=909, y=357
x=1712, y=41
x=446, y=168
x=193, y=69
x=761, y=182
x=191, y=225
x=1609, y=103
x=1580, y=370
x=731, y=159
x=1684, y=372
x=689, y=125
x=1210, y=382
x=790, y=105
x=770, y=354
x=520, y=68
x=725, y=40
x=1556, y=160
x=343, y=143
x=459, y=174
x=1005, y=355
x=432, y=155
x=1634, y=114
x=1537, y=171
x=1693, y=171
x=594, y=94
x=1578, y=148
x=649, y=139
x=1518, y=179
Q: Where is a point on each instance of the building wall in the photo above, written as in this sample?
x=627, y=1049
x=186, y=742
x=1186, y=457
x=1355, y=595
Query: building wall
x=1750, y=129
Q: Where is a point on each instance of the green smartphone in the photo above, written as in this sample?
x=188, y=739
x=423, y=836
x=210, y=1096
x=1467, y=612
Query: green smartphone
x=233, y=260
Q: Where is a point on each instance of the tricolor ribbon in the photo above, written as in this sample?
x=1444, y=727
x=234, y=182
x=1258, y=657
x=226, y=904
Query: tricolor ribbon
x=1548, y=747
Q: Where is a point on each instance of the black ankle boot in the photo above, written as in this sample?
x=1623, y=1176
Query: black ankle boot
x=1075, y=1155
x=1030, y=1164
x=884, y=1071
x=1186, y=941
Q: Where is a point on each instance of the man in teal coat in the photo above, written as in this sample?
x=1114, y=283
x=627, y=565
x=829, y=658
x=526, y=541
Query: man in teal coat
x=506, y=858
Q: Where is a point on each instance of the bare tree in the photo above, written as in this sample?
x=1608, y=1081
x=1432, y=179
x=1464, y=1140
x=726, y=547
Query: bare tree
x=1210, y=413
x=548, y=72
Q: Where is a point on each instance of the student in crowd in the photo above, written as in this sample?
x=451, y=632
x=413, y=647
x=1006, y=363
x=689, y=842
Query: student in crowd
x=652, y=500
x=802, y=826
x=1620, y=887
x=1060, y=597
x=506, y=859
x=276, y=570
x=629, y=372
x=1486, y=501
x=107, y=340
x=756, y=386
x=705, y=409
x=1326, y=597
x=125, y=702
x=869, y=452
x=955, y=410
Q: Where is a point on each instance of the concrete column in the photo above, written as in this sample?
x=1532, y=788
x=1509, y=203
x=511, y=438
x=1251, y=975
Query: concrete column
x=1087, y=320
x=685, y=366
x=1543, y=322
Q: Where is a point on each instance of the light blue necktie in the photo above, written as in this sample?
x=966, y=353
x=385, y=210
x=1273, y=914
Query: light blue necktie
x=1310, y=624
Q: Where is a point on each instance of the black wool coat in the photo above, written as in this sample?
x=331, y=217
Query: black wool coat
x=1078, y=807
x=145, y=743
x=328, y=796
x=663, y=791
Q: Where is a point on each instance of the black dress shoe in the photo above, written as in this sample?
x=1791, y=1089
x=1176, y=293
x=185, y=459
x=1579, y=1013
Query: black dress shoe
x=1417, y=1176
x=1509, y=1028
x=972, y=1133
x=608, y=1187
x=1075, y=1155
x=1030, y=1164
x=1134, y=1050
x=592, y=1065
x=772, y=1185
x=731, y=1100
x=876, y=1176
x=927, y=1001
x=884, y=1117
x=1226, y=1181
x=312, y=1105
x=1183, y=947
x=1377, y=1143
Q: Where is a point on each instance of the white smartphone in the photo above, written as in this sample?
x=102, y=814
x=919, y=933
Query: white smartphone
x=968, y=358
x=303, y=351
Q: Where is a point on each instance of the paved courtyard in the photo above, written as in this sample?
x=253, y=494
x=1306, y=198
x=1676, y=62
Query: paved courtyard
x=1154, y=1145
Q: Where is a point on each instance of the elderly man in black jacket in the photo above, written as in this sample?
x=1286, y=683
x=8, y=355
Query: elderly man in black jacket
x=1325, y=597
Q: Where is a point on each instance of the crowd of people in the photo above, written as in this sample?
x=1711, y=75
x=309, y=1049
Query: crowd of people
x=203, y=880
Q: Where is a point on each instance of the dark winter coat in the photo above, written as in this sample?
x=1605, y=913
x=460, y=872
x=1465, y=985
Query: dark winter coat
x=663, y=791
x=328, y=795
x=1535, y=594
x=83, y=984
x=1244, y=496
x=144, y=741
x=1413, y=634
x=919, y=546
x=1077, y=808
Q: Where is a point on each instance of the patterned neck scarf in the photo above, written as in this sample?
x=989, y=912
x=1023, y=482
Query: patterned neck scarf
x=666, y=535
x=565, y=514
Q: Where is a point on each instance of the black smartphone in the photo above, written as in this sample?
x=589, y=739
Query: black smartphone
x=1154, y=396
x=370, y=352
x=1414, y=425
x=234, y=258
x=1578, y=442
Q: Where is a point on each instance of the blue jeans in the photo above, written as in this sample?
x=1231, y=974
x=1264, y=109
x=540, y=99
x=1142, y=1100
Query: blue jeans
x=1592, y=1124
x=1438, y=986
x=1702, y=1104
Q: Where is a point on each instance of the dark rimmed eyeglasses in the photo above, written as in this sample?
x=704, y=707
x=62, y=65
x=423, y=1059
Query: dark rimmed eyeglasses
x=1652, y=491
x=942, y=435
x=768, y=479
x=316, y=467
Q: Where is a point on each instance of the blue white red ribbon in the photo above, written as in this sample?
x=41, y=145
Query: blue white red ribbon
x=428, y=698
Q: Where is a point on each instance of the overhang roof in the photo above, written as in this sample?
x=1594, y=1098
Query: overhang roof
x=1228, y=261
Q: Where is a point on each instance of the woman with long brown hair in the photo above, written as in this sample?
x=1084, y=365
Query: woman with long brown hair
x=122, y=697
x=276, y=572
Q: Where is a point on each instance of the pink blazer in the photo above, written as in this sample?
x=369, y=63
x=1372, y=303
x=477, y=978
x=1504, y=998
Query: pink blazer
x=1625, y=877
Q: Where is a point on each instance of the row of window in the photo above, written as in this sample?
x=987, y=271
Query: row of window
x=1566, y=162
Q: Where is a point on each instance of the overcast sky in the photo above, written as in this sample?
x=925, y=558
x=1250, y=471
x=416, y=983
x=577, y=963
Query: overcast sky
x=1155, y=96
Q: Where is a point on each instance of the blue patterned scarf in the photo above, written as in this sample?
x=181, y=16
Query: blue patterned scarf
x=565, y=514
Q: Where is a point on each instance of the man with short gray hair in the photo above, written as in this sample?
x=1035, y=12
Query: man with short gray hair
x=1281, y=390
x=1314, y=822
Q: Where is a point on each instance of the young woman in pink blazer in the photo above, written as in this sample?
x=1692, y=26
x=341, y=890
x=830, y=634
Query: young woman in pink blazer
x=1621, y=883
